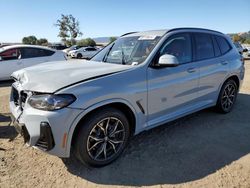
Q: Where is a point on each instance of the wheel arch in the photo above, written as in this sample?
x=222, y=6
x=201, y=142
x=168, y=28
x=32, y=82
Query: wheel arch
x=233, y=77
x=121, y=105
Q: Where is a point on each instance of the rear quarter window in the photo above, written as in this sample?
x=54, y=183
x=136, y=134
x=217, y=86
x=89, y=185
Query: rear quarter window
x=223, y=44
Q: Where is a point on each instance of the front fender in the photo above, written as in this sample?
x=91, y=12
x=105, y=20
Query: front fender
x=90, y=109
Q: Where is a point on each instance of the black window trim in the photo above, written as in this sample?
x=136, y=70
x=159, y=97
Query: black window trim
x=191, y=33
x=215, y=41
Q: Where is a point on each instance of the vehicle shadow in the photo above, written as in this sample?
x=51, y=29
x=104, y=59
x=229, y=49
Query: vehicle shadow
x=6, y=83
x=6, y=131
x=185, y=150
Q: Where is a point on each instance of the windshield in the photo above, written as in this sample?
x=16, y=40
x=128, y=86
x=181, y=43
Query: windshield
x=128, y=50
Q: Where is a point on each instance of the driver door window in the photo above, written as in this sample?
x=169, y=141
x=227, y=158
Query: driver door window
x=178, y=45
x=11, y=54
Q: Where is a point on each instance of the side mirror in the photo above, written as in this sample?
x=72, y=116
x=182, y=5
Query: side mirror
x=245, y=50
x=167, y=60
x=0, y=58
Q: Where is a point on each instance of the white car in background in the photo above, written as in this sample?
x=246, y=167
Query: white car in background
x=74, y=47
x=247, y=50
x=84, y=52
x=15, y=57
x=239, y=47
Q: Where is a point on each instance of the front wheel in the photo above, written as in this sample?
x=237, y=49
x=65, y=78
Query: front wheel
x=79, y=56
x=227, y=96
x=102, y=137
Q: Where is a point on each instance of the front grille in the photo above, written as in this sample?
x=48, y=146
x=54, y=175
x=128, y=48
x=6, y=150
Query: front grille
x=19, y=99
x=15, y=96
x=23, y=98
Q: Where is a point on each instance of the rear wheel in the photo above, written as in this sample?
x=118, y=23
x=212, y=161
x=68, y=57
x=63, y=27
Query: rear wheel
x=102, y=137
x=227, y=96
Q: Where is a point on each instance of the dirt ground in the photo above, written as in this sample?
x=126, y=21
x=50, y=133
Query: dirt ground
x=205, y=149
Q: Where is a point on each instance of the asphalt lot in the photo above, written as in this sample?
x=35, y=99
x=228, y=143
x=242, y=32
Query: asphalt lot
x=205, y=149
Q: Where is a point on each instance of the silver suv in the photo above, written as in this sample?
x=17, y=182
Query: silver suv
x=140, y=81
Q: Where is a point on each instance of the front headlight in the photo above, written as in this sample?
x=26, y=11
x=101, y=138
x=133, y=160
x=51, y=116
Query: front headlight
x=51, y=102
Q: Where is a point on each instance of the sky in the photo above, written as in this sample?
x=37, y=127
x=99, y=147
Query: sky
x=98, y=18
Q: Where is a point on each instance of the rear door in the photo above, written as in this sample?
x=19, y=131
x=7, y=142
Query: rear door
x=213, y=66
x=10, y=62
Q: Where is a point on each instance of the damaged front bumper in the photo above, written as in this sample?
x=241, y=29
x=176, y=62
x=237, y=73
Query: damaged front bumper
x=45, y=130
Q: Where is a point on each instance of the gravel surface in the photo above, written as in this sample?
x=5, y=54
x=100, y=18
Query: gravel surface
x=205, y=149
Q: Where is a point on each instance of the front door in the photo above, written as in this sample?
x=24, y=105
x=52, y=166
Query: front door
x=172, y=91
x=10, y=62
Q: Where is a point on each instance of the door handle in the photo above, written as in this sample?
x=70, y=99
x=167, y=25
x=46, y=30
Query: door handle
x=224, y=62
x=191, y=70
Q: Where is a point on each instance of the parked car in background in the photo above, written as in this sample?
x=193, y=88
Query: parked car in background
x=3, y=45
x=15, y=57
x=84, y=52
x=57, y=46
x=74, y=47
x=247, y=50
x=140, y=81
x=239, y=47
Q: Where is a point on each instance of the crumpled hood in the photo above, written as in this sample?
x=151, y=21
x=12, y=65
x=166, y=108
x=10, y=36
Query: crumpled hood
x=50, y=77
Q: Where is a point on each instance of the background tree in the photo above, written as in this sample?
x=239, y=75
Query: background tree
x=112, y=39
x=34, y=41
x=247, y=41
x=86, y=42
x=236, y=38
x=30, y=40
x=43, y=42
x=243, y=38
x=69, y=29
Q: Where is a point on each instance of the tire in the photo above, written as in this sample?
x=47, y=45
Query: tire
x=227, y=96
x=79, y=56
x=98, y=144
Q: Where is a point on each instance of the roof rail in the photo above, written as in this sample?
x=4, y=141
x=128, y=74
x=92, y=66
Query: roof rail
x=129, y=33
x=176, y=29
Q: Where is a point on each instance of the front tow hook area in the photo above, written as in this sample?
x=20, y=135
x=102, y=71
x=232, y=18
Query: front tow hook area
x=46, y=141
x=22, y=130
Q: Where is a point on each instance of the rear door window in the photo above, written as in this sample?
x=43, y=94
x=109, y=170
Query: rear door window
x=203, y=46
x=90, y=49
x=223, y=44
x=35, y=52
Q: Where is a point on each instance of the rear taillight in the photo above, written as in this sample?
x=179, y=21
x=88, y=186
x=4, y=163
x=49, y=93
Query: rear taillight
x=242, y=60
